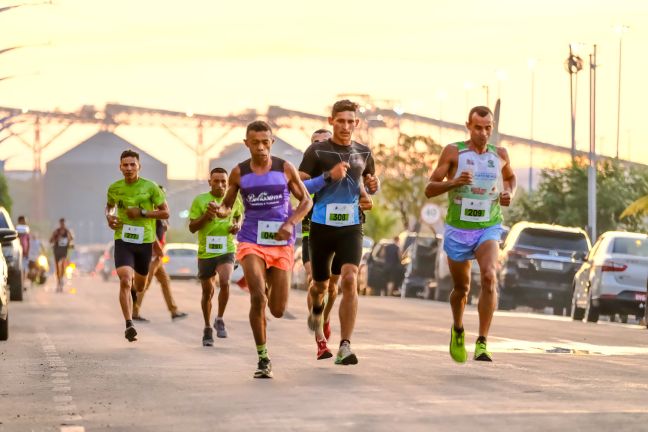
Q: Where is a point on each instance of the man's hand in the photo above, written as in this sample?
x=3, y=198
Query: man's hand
x=235, y=228
x=222, y=212
x=134, y=212
x=285, y=231
x=113, y=222
x=371, y=183
x=339, y=171
x=505, y=198
x=366, y=203
x=211, y=210
x=465, y=178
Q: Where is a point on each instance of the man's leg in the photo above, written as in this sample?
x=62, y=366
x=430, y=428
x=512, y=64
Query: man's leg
x=224, y=273
x=309, y=280
x=255, y=275
x=155, y=263
x=460, y=272
x=206, y=305
x=278, y=288
x=349, y=304
x=332, y=295
x=126, y=277
x=165, y=283
x=486, y=254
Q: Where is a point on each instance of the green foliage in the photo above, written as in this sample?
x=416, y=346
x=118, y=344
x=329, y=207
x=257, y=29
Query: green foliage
x=5, y=198
x=381, y=222
x=561, y=197
x=404, y=170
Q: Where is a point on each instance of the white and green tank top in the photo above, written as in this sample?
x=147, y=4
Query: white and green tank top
x=477, y=205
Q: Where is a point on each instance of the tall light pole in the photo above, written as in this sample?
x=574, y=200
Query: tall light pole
x=501, y=76
x=620, y=29
x=532, y=65
x=591, y=171
x=573, y=64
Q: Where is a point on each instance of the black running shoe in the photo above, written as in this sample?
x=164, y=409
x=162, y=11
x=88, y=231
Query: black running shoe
x=264, y=369
x=140, y=319
x=179, y=315
x=131, y=334
x=208, y=337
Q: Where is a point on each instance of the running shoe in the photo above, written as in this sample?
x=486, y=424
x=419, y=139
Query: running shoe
x=208, y=337
x=221, y=331
x=179, y=315
x=345, y=356
x=327, y=329
x=322, y=350
x=264, y=369
x=140, y=319
x=315, y=320
x=457, y=346
x=481, y=352
x=131, y=334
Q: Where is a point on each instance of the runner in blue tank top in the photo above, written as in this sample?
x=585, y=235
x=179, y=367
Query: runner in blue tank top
x=267, y=236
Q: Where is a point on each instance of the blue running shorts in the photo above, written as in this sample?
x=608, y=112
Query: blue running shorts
x=460, y=244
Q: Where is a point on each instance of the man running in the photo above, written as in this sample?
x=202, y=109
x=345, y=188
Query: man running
x=479, y=181
x=61, y=241
x=216, y=249
x=24, y=236
x=139, y=203
x=267, y=236
x=157, y=271
x=336, y=228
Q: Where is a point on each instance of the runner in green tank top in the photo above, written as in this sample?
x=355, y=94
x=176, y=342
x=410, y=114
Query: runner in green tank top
x=479, y=180
x=216, y=248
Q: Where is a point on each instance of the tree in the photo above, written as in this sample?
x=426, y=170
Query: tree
x=561, y=197
x=381, y=222
x=5, y=198
x=404, y=170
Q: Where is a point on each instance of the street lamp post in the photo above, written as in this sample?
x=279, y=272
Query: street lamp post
x=591, y=171
x=573, y=64
x=620, y=29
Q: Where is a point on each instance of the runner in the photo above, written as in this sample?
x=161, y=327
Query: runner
x=337, y=173
x=479, y=181
x=24, y=237
x=139, y=202
x=157, y=270
x=336, y=226
x=61, y=241
x=216, y=249
x=267, y=235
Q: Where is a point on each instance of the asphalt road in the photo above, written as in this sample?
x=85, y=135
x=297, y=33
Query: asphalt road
x=68, y=367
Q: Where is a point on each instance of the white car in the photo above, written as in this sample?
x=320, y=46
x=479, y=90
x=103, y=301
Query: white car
x=613, y=277
x=6, y=237
x=181, y=260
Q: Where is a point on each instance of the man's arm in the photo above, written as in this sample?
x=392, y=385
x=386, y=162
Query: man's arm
x=233, y=187
x=196, y=224
x=314, y=185
x=508, y=178
x=437, y=185
x=161, y=212
x=113, y=221
x=300, y=192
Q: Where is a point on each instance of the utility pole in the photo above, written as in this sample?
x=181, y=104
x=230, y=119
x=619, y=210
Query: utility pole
x=591, y=171
x=573, y=64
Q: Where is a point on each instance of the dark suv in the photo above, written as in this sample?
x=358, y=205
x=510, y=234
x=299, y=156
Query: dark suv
x=537, y=266
x=12, y=252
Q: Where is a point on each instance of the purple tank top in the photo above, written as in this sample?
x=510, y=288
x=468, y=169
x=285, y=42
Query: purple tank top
x=266, y=199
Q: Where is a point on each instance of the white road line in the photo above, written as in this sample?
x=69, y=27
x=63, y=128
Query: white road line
x=67, y=407
x=60, y=381
x=61, y=389
x=59, y=374
x=62, y=398
x=72, y=428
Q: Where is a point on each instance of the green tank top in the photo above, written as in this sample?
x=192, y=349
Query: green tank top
x=477, y=205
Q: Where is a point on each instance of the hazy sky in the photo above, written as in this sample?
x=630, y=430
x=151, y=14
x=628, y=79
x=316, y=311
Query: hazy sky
x=220, y=57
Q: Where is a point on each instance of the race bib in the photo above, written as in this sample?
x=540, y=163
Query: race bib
x=133, y=234
x=339, y=214
x=266, y=232
x=475, y=210
x=63, y=242
x=216, y=244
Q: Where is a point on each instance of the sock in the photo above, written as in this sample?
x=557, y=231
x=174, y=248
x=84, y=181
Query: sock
x=481, y=339
x=345, y=340
x=262, y=351
x=129, y=323
x=458, y=330
x=219, y=318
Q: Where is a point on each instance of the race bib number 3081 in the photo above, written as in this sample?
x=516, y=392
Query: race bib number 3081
x=340, y=214
x=475, y=210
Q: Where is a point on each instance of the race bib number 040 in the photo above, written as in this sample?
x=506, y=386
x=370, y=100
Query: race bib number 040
x=133, y=234
x=475, y=210
x=340, y=214
x=266, y=232
x=216, y=244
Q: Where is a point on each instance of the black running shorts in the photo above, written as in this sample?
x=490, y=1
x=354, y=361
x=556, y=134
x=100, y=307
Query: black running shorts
x=326, y=242
x=207, y=266
x=135, y=256
x=336, y=266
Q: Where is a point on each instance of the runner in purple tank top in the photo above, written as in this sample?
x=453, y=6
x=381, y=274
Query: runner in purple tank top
x=267, y=235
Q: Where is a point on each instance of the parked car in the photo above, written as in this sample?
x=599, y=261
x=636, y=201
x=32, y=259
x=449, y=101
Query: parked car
x=181, y=260
x=6, y=237
x=612, y=279
x=12, y=251
x=537, y=266
x=420, y=270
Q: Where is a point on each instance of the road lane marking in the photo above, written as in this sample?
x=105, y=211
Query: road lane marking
x=63, y=398
x=73, y=428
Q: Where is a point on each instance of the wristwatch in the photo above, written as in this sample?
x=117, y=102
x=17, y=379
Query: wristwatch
x=327, y=176
x=143, y=212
